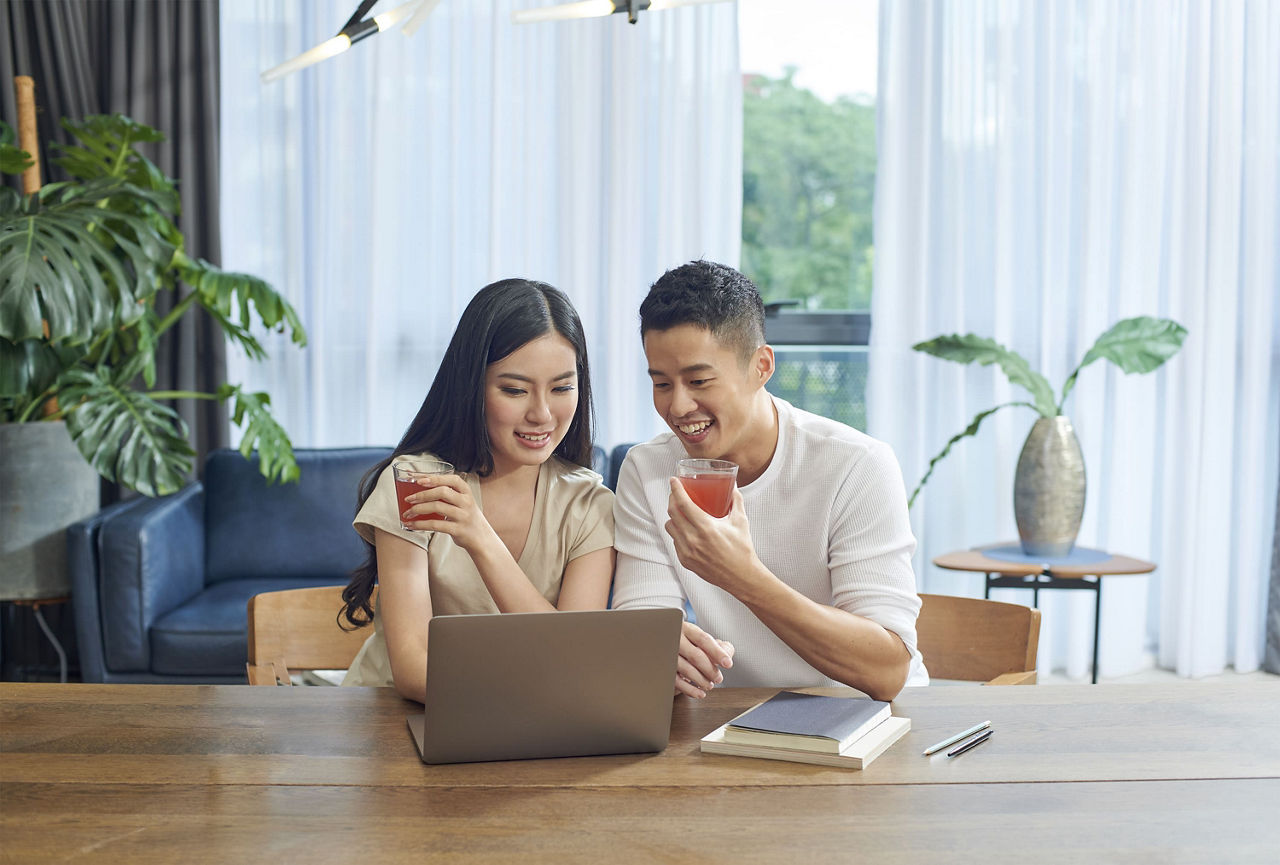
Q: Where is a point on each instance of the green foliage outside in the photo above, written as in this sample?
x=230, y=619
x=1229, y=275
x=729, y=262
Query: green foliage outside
x=808, y=180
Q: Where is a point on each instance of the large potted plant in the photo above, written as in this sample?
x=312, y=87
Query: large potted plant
x=82, y=263
x=1049, y=484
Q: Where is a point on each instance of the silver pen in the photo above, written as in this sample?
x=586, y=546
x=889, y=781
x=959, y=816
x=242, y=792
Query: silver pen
x=951, y=740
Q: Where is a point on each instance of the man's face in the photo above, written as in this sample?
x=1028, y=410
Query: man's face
x=705, y=391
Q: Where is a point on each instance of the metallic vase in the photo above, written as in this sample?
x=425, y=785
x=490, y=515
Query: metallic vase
x=1048, y=488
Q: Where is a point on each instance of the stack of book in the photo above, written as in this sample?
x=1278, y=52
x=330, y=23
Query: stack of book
x=806, y=728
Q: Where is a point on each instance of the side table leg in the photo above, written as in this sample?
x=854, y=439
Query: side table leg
x=1097, y=625
x=57, y=647
x=986, y=587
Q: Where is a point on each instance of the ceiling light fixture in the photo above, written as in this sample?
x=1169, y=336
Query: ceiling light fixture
x=599, y=9
x=357, y=27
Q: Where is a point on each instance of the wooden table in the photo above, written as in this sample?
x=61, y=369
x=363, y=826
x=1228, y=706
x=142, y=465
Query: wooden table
x=1185, y=772
x=1004, y=574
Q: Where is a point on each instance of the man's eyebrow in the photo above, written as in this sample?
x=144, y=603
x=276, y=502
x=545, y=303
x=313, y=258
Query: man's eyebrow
x=685, y=370
x=518, y=377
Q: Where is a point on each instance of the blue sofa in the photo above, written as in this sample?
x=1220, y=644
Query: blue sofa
x=160, y=586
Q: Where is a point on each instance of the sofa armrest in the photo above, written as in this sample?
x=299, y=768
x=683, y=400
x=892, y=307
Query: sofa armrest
x=150, y=560
x=82, y=565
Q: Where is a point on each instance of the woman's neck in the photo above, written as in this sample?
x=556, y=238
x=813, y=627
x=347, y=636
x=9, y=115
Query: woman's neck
x=510, y=477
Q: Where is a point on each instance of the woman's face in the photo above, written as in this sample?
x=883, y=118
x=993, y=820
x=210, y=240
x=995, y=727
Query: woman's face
x=530, y=397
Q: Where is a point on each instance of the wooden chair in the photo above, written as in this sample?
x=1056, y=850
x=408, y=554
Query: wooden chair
x=297, y=629
x=975, y=640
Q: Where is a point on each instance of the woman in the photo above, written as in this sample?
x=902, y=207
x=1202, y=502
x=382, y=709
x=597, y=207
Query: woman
x=527, y=525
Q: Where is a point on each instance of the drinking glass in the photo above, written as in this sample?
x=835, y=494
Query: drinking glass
x=709, y=483
x=413, y=475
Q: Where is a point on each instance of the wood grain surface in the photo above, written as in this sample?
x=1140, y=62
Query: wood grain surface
x=148, y=773
x=974, y=560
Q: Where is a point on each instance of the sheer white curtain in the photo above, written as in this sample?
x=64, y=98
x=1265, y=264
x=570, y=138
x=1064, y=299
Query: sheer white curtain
x=1045, y=170
x=381, y=189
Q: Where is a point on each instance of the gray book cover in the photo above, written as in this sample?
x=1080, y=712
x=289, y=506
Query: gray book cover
x=837, y=718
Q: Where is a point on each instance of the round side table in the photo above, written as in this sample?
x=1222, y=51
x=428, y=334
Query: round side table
x=1006, y=567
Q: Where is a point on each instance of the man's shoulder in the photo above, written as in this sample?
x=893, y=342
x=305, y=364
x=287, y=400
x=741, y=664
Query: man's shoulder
x=817, y=434
x=657, y=455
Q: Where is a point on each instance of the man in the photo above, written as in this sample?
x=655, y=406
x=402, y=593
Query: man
x=808, y=579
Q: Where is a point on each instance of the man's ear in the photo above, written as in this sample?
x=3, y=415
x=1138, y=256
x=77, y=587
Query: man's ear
x=763, y=364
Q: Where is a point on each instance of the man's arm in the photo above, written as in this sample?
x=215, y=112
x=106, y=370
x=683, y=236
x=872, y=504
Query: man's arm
x=645, y=577
x=849, y=648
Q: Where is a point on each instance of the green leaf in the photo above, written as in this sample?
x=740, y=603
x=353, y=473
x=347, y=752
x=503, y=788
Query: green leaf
x=971, y=348
x=970, y=430
x=262, y=431
x=230, y=296
x=126, y=435
x=31, y=366
x=1139, y=344
x=13, y=159
x=79, y=266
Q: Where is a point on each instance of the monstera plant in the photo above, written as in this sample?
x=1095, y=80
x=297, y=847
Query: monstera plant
x=82, y=264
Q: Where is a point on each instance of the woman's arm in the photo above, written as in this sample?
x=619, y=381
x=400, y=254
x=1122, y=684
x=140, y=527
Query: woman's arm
x=586, y=581
x=404, y=604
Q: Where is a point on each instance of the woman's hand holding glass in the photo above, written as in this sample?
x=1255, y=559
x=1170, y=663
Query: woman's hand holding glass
x=450, y=497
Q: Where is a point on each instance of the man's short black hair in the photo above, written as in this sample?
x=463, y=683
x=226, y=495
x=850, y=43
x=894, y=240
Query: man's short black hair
x=709, y=295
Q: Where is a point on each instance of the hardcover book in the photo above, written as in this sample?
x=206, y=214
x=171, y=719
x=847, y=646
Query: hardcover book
x=806, y=722
x=857, y=755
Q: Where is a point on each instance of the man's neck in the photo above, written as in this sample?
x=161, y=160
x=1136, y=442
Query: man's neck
x=763, y=442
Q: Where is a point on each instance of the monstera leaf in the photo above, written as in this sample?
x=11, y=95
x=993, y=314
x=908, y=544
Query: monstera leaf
x=126, y=435
x=70, y=263
x=81, y=264
x=261, y=430
x=13, y=159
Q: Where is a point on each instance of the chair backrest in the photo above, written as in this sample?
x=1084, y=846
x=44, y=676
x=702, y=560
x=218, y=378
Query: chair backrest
x=297, y=629
x=971, y=639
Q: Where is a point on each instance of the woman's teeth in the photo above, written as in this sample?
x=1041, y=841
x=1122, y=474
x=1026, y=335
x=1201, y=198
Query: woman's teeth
x=690, y=429
x=534, y=438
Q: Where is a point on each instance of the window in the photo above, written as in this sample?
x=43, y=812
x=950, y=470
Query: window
x=809, y=161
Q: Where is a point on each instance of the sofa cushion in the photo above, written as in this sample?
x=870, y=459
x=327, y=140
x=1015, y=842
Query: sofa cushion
x=209, y=634
x=254, y=529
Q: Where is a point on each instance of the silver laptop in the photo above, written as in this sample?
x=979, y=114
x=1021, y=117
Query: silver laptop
x=512, y=686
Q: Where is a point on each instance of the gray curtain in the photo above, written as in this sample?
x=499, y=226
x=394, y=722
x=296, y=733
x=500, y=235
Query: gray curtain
x=1271, y=656
x=156, y=61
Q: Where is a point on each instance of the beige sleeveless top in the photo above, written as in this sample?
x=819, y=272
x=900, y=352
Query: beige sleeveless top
x=572, y=516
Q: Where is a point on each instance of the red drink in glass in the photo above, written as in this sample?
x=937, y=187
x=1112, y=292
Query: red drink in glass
x=413, y=475
x=711, y=492
x=406, y=488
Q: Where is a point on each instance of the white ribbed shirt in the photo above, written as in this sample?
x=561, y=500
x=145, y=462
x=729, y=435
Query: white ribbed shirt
x=828, y=517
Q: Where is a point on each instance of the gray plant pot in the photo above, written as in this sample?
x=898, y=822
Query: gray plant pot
x=1048, y=488
x=45, y=486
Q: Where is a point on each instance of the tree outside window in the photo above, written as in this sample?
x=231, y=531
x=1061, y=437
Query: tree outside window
x=809, y=164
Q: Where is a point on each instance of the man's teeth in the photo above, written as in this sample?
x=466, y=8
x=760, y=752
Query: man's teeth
x=534, y=438
x=691, y=429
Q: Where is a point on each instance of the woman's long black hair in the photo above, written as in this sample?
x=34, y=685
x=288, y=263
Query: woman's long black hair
x=500, y=319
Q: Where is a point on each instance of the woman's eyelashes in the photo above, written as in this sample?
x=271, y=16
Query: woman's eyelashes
x=515, y=391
